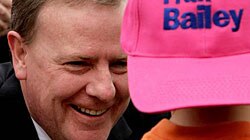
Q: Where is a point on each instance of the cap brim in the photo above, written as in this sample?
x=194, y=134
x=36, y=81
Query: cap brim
x=164, y=84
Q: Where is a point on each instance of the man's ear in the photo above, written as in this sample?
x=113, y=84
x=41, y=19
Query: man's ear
x=18, y=52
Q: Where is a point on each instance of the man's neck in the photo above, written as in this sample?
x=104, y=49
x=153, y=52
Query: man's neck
x=210, y=115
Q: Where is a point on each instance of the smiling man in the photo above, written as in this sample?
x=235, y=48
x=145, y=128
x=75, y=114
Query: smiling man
x=72, y=71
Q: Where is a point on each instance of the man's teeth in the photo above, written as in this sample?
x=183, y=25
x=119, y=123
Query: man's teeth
x=91, y=112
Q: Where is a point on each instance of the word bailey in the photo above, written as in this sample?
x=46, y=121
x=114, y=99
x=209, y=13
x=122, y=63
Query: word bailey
x=203, y=18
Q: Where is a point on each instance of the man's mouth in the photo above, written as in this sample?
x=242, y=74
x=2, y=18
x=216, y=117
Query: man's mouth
x=89, y=112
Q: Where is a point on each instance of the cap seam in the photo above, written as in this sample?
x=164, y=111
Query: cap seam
x=139, y=25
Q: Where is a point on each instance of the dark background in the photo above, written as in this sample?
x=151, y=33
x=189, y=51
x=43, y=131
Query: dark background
x=4, y=50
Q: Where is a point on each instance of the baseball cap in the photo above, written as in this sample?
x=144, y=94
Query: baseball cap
x=187, y=53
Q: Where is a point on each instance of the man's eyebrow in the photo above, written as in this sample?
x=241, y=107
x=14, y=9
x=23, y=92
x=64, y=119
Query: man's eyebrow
x=62, y=59
x=121, y=56
x=118, y=58
x=75, y=2
x=78, y=57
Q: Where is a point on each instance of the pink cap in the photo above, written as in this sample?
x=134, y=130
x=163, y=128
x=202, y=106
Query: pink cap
x=187, y=53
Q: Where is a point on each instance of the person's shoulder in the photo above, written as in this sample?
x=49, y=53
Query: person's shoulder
x=6, y=70
x=14, y=117
x=5, y=55
x=121, y=131
x=9, y=85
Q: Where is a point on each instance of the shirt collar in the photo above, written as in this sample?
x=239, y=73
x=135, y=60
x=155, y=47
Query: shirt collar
x=41, y=133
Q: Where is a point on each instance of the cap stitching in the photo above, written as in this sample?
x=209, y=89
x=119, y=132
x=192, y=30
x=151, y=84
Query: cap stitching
x=138, y=25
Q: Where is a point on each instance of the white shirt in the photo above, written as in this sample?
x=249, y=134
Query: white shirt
x=41, y=133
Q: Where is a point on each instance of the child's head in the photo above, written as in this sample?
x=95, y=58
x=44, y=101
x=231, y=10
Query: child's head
x=187, y=53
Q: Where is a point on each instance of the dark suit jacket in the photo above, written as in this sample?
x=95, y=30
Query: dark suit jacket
x=15, y=121
x=4, y=49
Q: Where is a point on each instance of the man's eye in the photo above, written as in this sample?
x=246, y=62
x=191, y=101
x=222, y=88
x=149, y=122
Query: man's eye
x=119, y=67
x=77, y=66
x=77, y=63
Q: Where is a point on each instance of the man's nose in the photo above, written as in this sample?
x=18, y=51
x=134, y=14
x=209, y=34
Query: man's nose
x=102, y=86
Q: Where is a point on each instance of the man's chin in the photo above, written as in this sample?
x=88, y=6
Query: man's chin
x=89, y=135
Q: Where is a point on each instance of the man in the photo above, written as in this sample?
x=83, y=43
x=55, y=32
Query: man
x=71, y=69
x=190, y=57
x=5, y=11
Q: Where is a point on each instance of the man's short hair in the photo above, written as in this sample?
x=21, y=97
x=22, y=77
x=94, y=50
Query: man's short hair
x=24, y=14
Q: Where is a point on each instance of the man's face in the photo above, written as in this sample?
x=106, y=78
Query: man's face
x=76, y=77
